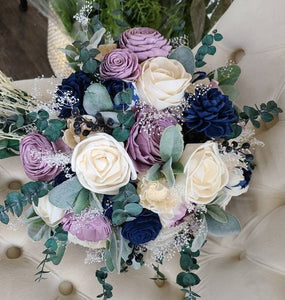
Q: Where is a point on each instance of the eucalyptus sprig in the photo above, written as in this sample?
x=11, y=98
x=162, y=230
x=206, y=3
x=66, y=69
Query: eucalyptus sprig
x=187, y=279
x=159, y=274
x=55, y=248
x=16, y=201
x=265, y=112
x=101, y=275
x=207, y=47
x=171, y=148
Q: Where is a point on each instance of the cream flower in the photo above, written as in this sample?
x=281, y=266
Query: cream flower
x=159, y=198
x=205, y=174
x=50, y=214
x=162, y=82
x=102, y=165
x=70, y=138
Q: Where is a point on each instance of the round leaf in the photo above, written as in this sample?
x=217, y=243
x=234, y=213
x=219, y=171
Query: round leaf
x=185, y=56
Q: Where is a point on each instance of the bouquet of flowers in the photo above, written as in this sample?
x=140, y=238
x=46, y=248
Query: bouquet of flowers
x=137, y=155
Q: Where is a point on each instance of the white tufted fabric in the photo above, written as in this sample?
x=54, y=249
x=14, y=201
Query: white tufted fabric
x=249, y=266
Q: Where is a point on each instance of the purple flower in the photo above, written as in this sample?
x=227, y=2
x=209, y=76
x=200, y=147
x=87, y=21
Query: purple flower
x=38, y=156
x=210, y=112
x=120, y=63
x=143, y=229
x=143, y=142
x=73, y=88
x=87, y=226
x=145, y=42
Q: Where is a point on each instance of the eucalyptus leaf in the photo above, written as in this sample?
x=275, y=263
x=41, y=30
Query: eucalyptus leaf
x=168, y=173
x=153, y=173
x=231, y=91
x=119, y=217
x=36, y=230
x=171, y=144
x=227, y=75
x=64, y=194
x=185, y=56
x=109, y=261
x=57, y=257
x=133, y=209
x=217, y=213
x=81, y=202
x=96, y=99
x=232, y=227
x=121, y=134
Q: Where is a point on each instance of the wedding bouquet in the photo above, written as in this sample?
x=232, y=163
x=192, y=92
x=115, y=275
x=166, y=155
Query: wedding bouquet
x=137, y=155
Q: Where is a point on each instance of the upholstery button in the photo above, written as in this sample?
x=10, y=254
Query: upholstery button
x=237, y=56
x=65, y=288
x=242, y=255
x=14, y=185
x=14, y=252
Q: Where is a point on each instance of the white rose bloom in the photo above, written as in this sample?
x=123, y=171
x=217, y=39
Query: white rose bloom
x=205, y=173
x=162, y=82
x=102, y=165
x=159, y=198
x=50, y=214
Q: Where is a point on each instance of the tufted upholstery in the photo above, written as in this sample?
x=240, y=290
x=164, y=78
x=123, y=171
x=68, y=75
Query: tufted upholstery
x=249, y=266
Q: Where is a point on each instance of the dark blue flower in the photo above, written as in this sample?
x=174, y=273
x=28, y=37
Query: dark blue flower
x=64, y=175
x=115, y=86
x=210, y=112
x=107, y=206
x=74, y=86
x=143, y=229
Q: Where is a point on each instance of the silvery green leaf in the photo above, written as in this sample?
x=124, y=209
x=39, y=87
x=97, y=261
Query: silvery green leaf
x=95, y=201
x=185, y=56
x=133, y=209
x=219, y=200
x=217, y=213
x=96, y=38
x=81, y=201
x=64, y=195
x=171, y=144
x=153, y=173
x=232, y=227
x=37, y=230
x=231, y=91
x=97, y=99
x=168, y=173
x=200, y=237
x=108, y=261
x=126, y=250
x=116, y=248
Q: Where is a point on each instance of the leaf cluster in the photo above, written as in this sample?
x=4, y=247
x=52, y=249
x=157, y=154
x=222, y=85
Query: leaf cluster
x=101, y=275
x=187, y=278
x=9, y=148
x=171, y=148
x=55, y=248
x=125, y=205
x=16, y=201
x=265, y=112
x=207, y=48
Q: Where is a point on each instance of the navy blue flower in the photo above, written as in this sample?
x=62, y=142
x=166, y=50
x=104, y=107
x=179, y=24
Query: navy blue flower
x=115, y=86
x=210, y=112
x=64, y=175
x=143, y=229
x=74, y=86
x=107, y=206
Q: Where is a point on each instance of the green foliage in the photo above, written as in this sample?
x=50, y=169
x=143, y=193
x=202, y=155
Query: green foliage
x=171, y=148
x=126, y=120
x=16, y=201
x=101, y=275
x=200, y=237
x=187, y=278
x=266, y=112
x=9, y=148
x=207, y=48
x=82, y=201
x=217, y=213
x=65, y=194
x=97, y=99
x=218, y=228
x=227, y=75
x=125, y=205
x=185, y=56
x=55, y=248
